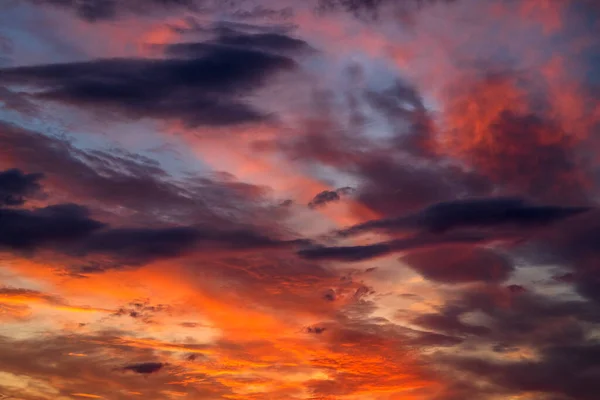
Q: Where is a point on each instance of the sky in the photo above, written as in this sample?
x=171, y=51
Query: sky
x=289, y=200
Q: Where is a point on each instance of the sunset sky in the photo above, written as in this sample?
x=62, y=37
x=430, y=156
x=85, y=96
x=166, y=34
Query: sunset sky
x=299, y=199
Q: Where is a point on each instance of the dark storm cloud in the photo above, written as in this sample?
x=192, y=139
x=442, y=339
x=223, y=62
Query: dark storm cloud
x=473, y=213
x=202, y=85
x=16, y=186
x=145, y=368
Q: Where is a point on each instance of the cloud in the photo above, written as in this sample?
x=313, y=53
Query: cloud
x=373, y=8
x=23, y=298
x=541, y=338
x=515, y=143
x=70, y=229
x=136, y=185
x=101, y=10
x=8, y=292
x=99, y=373
x=329, y=196
x=47, y=226
x=575, y=249
x=15, y=186
x=449, y=323
x=143, y=311
x=17, y=101
x=200, y=83
x=326, y=196
x=145, y=368
x=367, y=252
x=459, y=264
x=480, y=184
x=477, y=213
x=243, y=36
x=566, y=371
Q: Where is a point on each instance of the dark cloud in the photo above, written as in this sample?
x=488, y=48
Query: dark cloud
x=266, y=41
x=405, y=111
x=48, y=226
x=478, y=213
x=16, y=186
x=556, y=332
x=145, y=368
x=100, y=10
x=458, y=264
x=347, y=253
x=395, y=174
x=390, y=186
x=449, y=323
x=316, y=329
x=564, y=372
x=326, y=196
x=329, y=196
x=367, y=252
x=143, y=311
x=222, y=28
x=136, y=245
x=575, y=249
x=142, y=190
x=70, y=229
x=202, y=85
x=376, y=10
x=109, y=10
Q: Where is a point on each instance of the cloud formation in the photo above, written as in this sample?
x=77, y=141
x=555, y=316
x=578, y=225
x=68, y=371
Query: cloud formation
x=198, y=83
x=16, y=186
x=290, y=200
x=473, y=213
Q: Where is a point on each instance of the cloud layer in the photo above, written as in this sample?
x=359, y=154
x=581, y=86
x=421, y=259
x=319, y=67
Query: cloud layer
x=293, y=200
